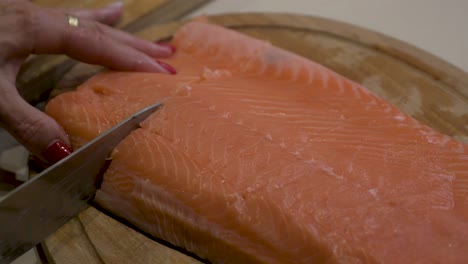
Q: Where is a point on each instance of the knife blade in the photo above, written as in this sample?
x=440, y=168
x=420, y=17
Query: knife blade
x=39, y=207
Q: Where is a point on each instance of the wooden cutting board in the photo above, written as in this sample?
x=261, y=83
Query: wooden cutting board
x=429, y=89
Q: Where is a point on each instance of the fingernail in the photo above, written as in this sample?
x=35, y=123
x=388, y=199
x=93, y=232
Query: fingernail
x=168, y=67
x=167, y=45
x=56, y=151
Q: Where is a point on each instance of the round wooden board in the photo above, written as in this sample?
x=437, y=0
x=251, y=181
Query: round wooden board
x=420, y=84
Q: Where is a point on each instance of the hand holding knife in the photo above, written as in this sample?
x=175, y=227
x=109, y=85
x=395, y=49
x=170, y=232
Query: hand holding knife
x=36, y=209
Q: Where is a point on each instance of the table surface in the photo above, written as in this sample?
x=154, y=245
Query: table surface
x=436, y=26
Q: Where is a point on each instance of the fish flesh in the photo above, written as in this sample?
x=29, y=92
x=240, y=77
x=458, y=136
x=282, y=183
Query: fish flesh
x=262, y=156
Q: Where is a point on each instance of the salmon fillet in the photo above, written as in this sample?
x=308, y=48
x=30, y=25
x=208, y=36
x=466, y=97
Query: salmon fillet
x=262, y=156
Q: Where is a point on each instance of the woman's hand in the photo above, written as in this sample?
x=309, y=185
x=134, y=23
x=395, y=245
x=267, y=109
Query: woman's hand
x=27, y=29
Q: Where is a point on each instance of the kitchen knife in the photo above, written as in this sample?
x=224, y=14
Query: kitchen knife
x=39, y=207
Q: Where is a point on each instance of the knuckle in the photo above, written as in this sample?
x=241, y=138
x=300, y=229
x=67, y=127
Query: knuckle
x=100, y=40
x=29, y=130
x=27, y=19
x=88, y=32
x=20, y=20
x=31, y=19
x=98, y=32
x=22, y=12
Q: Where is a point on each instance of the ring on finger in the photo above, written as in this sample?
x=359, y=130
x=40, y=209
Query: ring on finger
x=72, y=20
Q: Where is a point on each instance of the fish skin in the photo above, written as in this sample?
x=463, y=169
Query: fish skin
x=262, y=156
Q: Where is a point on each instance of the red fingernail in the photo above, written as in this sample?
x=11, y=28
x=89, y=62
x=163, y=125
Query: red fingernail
x=167, y=45
x=56, y=152
x=168, y=67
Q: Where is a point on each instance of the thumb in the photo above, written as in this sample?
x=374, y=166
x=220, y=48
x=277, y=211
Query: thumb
x=38, y=132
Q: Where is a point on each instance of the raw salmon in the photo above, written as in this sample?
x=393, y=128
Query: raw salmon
x=262, y=156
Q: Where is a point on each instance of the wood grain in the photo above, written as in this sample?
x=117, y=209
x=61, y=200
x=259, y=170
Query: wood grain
x=94, y=237
x=429, y=89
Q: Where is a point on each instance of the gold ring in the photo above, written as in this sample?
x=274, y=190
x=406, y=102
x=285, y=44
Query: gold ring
x=72, y=20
